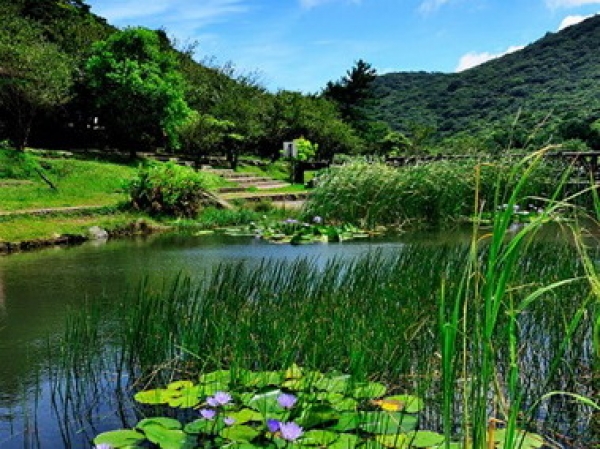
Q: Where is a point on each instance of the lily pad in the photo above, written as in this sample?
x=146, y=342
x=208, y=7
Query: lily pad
x=399, y=441
x=346, y=422
x=221, y=376
x=204, y=426
x=405, y=402
x=239, y=433
x=166, y=433
x=523, y=440
x=345, y=441
x=425, y=439
x=318, y=438
x=120, y=438
x=387, y=423
x=369, y=390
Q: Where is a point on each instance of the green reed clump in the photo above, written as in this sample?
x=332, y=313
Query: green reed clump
x=485, y=330
x=377, y=194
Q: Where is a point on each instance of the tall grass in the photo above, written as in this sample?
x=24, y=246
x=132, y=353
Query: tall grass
x=376, y=194
x=489, y=360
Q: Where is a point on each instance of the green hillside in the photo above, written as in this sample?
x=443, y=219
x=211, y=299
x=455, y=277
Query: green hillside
x=557, y=75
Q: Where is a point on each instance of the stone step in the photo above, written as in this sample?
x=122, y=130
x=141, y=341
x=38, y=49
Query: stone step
x=264, y=185
x=273, y=196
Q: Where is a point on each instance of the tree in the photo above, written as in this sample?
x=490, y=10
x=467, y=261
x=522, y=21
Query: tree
x=202, y=133
x=352, y=91
x=34, y=76
x=137, y=88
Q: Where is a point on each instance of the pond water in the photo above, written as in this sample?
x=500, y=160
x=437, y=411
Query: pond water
x=38, y=289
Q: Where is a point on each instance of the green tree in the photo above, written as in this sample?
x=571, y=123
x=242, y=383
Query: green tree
x=34, y=76
x=138, y=90
x=352, y=92
x=202, y=133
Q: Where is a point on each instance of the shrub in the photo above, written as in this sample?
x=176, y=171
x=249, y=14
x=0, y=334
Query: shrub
x=168, y=189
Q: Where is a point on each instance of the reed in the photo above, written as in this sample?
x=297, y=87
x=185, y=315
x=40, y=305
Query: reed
x=434, y=192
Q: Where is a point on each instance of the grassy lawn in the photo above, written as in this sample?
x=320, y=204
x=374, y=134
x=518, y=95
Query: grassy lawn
x=22, y=228
x=78, y=183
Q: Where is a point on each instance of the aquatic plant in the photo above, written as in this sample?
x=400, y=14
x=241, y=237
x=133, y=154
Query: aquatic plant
x=271, y=409
x=297, y=232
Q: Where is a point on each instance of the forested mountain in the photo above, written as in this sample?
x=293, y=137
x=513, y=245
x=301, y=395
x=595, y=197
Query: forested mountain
x=558, y=75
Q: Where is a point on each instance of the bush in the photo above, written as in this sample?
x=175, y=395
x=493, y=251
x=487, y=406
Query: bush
x=168, y=189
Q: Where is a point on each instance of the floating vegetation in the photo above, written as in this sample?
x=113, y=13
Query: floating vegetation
x=291, y=408
x=297, y=232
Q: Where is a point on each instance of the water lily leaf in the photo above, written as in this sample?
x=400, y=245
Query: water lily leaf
x=372, y=444
x=204, y=426
x=157, y=396
x=211, y=388
x=318, y=438
x=399, y=441
x=166, y=433
x=317, y=414
x=188, y=398
x=221, y=376
x=401, y=402
x=261, y=379
x=239, y=433
x=266, y=403
x=245, y=415
x=167, y=423
x=345, y=404
x=369, y=390
x=345, y=441
x=425, y=439
x=337, y=384
x=180, y=384
x=347, y=421
x=524, y=440
x=387, y=423
x=120, y=438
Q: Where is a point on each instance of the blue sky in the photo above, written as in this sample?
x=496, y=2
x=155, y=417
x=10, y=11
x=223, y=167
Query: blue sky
x=302, y=44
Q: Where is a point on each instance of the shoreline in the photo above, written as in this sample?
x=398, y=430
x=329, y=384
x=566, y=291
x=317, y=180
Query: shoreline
x=137, y=227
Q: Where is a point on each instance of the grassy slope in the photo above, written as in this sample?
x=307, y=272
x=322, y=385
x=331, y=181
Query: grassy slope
x=79, y=183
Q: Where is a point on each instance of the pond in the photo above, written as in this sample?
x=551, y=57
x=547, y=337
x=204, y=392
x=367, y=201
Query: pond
x=38, y=289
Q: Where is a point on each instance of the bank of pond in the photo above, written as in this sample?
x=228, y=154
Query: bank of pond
x=384, y=341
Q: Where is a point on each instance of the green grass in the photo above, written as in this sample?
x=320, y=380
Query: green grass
x=436, y=192
x=78, y=183
x=28, y=227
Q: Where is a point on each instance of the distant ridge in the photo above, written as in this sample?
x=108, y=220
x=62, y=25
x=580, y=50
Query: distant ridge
x=558, y=75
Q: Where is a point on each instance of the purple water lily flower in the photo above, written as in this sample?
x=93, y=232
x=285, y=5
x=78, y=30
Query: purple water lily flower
x=290, y=431
x=272, y=425
x=286, y=400
x=220, y=398
x=103, y=446
x=208, y=413
x=229, y=421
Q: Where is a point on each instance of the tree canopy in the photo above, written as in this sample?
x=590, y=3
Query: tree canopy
x=137, y=88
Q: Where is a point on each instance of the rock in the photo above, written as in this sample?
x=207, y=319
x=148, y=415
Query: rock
x=97, y=233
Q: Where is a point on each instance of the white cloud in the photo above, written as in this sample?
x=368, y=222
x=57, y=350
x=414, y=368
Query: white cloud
x=473, y=59
x=428, y=6
x=119, y=11
x=572, y=20
x=570, y=3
